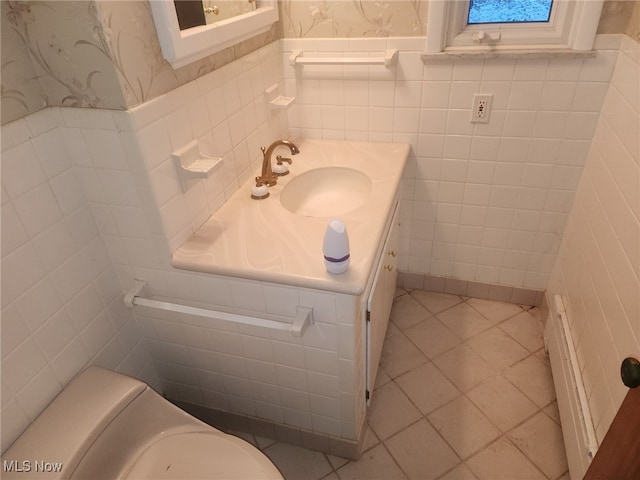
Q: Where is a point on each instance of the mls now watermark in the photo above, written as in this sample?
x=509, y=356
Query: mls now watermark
x=26, y=466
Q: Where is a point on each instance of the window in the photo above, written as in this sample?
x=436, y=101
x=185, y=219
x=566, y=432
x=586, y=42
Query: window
x=512, y=24
x=508, y=11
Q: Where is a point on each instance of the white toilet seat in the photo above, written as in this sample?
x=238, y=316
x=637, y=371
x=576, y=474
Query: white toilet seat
x=202, y=455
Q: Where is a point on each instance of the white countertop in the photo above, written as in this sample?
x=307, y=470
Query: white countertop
x=261, y=240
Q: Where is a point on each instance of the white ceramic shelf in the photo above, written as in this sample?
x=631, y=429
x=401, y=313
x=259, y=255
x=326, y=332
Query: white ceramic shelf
x=276, y=101
x=192, y=164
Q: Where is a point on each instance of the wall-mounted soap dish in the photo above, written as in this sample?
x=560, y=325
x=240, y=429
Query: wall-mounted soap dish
x=192, y=164
x=275, y=100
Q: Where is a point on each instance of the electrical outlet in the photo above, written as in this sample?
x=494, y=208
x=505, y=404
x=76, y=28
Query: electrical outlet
x=481, y=107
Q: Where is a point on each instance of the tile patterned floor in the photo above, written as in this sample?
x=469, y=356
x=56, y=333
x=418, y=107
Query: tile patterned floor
x=464, y=391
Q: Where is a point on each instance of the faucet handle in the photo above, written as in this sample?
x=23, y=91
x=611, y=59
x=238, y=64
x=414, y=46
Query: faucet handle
x=280, y=159
x=279, y=169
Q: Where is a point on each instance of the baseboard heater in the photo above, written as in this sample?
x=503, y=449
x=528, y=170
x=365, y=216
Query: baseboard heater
x=577, y=427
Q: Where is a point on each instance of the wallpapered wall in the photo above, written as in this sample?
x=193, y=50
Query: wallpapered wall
x=98, y=54
x=105, y=54
x=353, y=18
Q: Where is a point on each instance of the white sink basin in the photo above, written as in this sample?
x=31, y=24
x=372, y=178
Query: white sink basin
x=326, y=192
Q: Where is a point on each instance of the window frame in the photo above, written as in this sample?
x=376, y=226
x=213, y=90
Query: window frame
x=572, y=25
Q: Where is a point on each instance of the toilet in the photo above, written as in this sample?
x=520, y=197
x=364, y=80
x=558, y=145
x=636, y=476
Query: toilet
x=105, y=425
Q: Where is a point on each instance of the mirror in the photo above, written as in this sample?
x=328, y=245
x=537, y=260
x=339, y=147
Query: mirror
x=198, y=38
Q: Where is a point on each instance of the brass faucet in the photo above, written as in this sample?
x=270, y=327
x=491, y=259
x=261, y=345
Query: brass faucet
x=269, y=178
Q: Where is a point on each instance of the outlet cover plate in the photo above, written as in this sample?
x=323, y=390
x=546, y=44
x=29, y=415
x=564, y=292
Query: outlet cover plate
x=481, y=107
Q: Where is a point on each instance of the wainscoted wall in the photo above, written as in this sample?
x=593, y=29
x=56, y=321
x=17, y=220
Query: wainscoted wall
x=484, y=202
x=62, y=303
x=143, y=214
x=76, y=249
x=131, y=191
x=598, y=267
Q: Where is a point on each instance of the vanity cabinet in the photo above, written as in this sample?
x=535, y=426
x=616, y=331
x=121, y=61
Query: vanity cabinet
x=268, y=258
x=379, y=302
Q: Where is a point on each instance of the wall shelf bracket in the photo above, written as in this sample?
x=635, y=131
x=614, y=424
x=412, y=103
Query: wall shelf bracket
x=304, y=318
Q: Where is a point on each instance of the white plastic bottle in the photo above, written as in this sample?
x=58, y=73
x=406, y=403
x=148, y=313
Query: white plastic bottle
x=335, y=247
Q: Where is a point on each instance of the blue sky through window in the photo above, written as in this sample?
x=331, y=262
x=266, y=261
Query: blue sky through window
x=509, y=11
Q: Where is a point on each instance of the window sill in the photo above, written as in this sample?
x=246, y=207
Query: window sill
x=488, y=52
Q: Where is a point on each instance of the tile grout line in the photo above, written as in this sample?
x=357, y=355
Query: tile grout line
x=465, y=393
x=503, y=435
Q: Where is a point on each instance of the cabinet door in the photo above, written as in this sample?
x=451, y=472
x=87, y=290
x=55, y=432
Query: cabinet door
x=380, y=301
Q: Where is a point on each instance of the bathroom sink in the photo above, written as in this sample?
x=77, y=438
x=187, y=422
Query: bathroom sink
x=326, y=192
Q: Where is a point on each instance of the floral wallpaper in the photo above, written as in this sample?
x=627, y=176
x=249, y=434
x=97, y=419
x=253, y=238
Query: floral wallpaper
x=353, y=18
x=92, y=54
x=633, y=27
x=128, y=39
x=60, y=40
x=620, y=16
x=105, y=53
x=21, y=90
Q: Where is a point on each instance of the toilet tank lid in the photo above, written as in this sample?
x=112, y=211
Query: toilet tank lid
x=73, y=420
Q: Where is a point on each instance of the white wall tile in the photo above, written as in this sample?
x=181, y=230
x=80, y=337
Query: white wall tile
x=508, y=174
x=67, y=191
x=22, y=365
x=518, y=123
x=104, y=148
x=21, y=170
x=495, y=127
x=525, y=95
x=39, y=392
x=550, y=124
x=589, y=97
x=458, y=122
x=52, y=254
x=528, y=69
x=438, y=70
x=433, y=121
x=130, y=220
x=581, y=125
x=14, y=332
x=118, y=187
x=153, y=141
x=485, y=148
x=498, y=69
x=457, y=146
x=322, y=361
x=38, y=209
x=15, y=133
x=462, y=92
x=25, y=270
x=467, y=69
x=52, y=152
x=557, y=95
x=13, y=233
